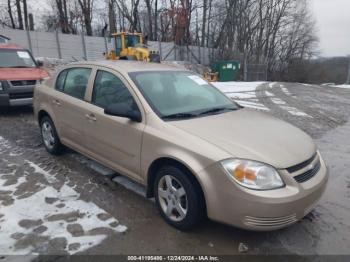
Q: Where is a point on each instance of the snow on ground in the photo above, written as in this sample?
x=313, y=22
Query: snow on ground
x=38, y=210
x=237, y=87
x=285, y=90
x=283, y=104
x=242, y=92
x=342, y=86
x=330, y=85
x=271, y=85
x=51, y=64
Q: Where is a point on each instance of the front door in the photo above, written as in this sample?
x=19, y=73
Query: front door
x=114, y=141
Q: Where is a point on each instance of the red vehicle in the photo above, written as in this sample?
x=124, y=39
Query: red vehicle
x=19, y=73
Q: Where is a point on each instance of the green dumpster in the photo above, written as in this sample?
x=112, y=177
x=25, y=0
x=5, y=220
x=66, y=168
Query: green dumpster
x=227, y=70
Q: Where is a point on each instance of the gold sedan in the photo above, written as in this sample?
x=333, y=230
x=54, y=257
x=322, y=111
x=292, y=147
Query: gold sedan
x=196, y=151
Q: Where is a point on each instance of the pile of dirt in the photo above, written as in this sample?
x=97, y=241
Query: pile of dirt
x=52, y=64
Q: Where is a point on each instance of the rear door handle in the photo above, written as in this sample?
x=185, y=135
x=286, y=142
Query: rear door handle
x=91, y=117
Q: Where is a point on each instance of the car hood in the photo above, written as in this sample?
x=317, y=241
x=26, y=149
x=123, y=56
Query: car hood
x=253, y=135
x=22, y=73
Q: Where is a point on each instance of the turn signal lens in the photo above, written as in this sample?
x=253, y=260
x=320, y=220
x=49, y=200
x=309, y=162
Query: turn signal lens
x=242, y=174
x=252, y=174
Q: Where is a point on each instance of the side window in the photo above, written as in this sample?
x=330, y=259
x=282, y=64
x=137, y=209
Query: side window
x=118, y=45
x=109, y=89
x=76, y=82
x=60, y=80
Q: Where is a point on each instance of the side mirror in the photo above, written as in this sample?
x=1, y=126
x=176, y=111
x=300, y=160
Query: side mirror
x=124, y=110
x=39, y=63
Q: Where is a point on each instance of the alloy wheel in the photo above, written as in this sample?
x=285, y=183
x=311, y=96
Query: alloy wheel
x=172, y=198
x=48, y=135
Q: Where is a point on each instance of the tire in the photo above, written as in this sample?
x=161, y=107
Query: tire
x=155, y=58
x=49, y=136
x=183, y=212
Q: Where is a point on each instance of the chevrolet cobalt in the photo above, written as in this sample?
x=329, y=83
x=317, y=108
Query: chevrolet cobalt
x=197, y=152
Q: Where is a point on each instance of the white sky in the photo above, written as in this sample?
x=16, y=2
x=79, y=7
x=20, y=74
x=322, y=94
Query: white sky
x=333, y=25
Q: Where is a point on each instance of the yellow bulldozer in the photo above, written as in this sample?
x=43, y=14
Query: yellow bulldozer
x=130, y=46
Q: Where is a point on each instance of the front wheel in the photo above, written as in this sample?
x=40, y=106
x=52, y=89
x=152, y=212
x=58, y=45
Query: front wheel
x=50, y=138
x=178, y=198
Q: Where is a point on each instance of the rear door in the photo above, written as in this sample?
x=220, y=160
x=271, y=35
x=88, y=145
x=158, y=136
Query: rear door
x=70, y=105
x=114, y=141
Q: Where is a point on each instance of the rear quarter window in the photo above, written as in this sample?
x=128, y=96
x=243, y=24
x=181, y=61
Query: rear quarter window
x=76, y=82
x=73, y=81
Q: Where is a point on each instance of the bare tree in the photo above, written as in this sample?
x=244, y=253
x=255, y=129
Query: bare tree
x=62, y=11
x=277, y=33
x=150, y=20
x=155, y=37
x=131, y=15
x=112, y=16
x=19, y=14
x=25, y=14
x=9, y=10
x=86, y=10
x=204, y=21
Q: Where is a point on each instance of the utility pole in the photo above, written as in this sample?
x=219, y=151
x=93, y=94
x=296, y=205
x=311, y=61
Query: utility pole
x=348, y=80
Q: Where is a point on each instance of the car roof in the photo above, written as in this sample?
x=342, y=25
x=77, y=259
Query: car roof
x=11, y=46
x=130, y=66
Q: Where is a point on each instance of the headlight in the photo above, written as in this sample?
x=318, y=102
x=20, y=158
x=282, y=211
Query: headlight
x=253, y=175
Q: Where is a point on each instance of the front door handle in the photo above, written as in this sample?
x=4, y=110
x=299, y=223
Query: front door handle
x=91, y=117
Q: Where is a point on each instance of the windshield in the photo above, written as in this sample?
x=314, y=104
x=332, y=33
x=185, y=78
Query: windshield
x=174, y=94
x=132, y=40
x=16, y=59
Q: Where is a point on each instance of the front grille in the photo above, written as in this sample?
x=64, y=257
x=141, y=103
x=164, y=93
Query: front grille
x=21, y=95
x=308, y=174
x=23, y=82
x=302, y=165
x=270, y=221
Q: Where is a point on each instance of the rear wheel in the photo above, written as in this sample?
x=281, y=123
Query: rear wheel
x=49, y=135
x=178, y=198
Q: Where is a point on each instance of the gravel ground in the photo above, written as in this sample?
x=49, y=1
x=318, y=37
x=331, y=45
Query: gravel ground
x=70, y=205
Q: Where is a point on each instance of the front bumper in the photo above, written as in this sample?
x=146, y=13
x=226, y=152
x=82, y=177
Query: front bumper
x=5, y=101
x=232, y=204
x=17, y=96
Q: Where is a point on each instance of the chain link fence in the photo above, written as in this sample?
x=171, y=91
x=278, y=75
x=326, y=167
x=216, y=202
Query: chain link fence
x=77, y=47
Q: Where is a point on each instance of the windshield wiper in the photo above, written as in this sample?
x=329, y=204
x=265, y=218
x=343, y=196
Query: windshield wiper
x=179, y=116
x=217, y=110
